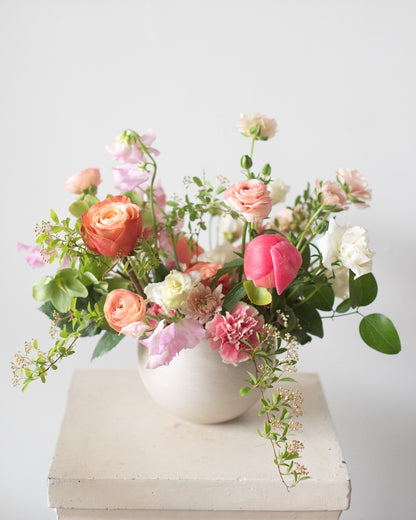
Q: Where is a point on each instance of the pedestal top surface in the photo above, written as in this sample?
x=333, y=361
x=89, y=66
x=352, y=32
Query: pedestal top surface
x=116, y=449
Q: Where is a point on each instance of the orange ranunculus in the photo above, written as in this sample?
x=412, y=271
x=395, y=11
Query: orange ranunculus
x=111, y=227
x=123, y=307
x=187, y=248
x=208, y=271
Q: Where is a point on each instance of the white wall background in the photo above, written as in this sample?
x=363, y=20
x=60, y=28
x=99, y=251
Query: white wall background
x=339, y=77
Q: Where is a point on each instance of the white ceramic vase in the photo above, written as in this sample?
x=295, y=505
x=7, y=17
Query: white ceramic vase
x=198, y=386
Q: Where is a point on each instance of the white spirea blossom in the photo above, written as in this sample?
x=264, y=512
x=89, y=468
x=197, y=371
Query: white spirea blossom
x=278, y=190
x=173, y=292
x=347, y=245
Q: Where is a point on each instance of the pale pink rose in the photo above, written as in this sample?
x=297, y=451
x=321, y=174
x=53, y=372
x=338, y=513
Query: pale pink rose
x=166, y=342
x=358, y=191
x=83, y=180
x=248, y=122
x=251, y=198
x=332, y=194
x=285, y=218
x=229, y=333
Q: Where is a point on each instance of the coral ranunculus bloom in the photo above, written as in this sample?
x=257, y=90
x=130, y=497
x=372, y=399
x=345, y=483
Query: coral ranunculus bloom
x=271, y=261
x=122, y=308
x=111, y=227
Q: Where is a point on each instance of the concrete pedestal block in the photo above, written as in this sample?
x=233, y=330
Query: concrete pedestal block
x=120, y=457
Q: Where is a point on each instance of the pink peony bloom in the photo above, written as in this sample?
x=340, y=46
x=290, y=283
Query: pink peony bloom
x=251, y=198
x=229, y=333
x=358, y=191
x=271, y=261
x=83, y=180
x=332, y=194
x=132, y=153
x=166, y=342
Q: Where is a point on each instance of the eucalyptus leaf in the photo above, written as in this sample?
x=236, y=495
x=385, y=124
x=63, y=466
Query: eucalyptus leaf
x=380, y=334
x=257, y=295
x=235, y=295
x=363, y=290
x=310, y=320
x=344, y=306
x=321, y=297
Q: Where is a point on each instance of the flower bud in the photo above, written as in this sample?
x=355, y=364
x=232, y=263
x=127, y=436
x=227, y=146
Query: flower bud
x=267, y=170
x=246, y=162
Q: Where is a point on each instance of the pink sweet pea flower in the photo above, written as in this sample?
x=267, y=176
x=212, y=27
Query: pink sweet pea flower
x=230, y=333
x=135, y=329
x=166, y=342
x=128, y=177
x=33, y=258
x=132, y=153
x=271, y=261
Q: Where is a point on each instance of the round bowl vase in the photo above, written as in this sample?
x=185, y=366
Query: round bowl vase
x=198, y=386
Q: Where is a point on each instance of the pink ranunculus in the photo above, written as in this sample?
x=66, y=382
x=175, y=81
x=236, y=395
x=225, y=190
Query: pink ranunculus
x=271, y=261
x=83, y=180
x=357, y=187
x=332, y=194
x=166, y=342
x=231, y=333
x=251, y=198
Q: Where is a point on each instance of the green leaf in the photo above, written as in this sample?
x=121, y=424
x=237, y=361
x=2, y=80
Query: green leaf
x=236, y=294
x=363, y=290
x=310, y=320
x=134, y=197
x=380, y=334
x=321, y=298
x=60, y=299
x=54, y=217
x=42, y=289
x=257, y=295
x=78, y=208
x=344, y=306
x=245, y=390
x=106, y=343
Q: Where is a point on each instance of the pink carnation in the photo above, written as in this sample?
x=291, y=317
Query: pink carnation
x=358, y=191
x=251, y=198
x=229, y=333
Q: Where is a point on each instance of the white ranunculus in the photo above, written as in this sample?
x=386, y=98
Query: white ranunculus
x=347, y=245
x=231, y=229
x=278, y=190
x=172, y=293
x=220, y=255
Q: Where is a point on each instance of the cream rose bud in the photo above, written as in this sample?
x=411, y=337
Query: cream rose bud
x=278, y=190
x=173, y=292
x=348, y=245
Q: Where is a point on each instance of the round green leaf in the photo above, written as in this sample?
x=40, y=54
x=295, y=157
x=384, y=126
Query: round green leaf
x=322, y=297
x=344, y=306
x=380, y=334
x=257, y=295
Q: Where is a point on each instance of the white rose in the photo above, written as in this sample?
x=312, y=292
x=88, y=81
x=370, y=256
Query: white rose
x=348, y=245
x=172, y=293
x=278, y=190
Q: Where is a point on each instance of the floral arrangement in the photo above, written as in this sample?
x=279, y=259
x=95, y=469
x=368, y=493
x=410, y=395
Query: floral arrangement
x=133, y=265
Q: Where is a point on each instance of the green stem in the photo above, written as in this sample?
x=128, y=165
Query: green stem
x=308, y=225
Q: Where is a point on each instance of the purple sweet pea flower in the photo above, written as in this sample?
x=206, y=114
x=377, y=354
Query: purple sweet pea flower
x=166, y=342
x=131, y=153
x=128, y=177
